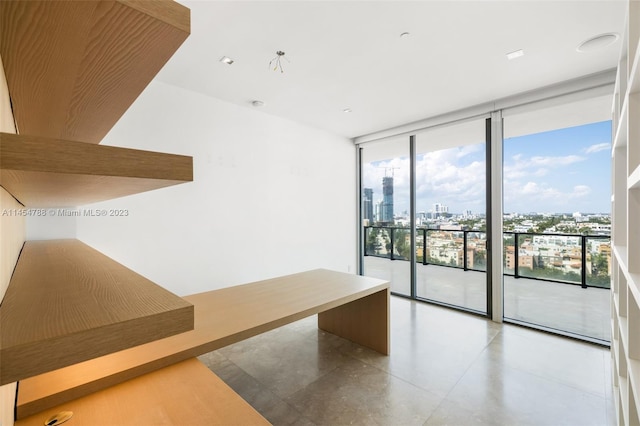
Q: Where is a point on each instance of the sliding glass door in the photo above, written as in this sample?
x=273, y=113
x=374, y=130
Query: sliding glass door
x=385, y=174
x=557, y=205
x=451, y=240
x=444, y=218
x=507, y=216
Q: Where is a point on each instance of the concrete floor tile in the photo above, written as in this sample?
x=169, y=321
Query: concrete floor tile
x=572, y=363
x=357, y=393
x=497, y=394
x=283, y=361
x=445, y=368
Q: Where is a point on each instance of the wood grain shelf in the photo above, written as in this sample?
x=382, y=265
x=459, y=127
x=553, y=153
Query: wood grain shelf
x=42, y=172
x=67, y=303
x=625, y=229
x=187, y=393
x=74, y=67
x=352, y=306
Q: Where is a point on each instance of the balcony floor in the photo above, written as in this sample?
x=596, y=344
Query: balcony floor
x=564, y=307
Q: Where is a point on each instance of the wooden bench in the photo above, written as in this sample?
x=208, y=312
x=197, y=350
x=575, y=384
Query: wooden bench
x=351, y=306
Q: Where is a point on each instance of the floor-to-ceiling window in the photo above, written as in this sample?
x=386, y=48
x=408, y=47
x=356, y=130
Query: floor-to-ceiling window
x=476, y=210
x=451, y=239
x=385, y=174
x=557, y=205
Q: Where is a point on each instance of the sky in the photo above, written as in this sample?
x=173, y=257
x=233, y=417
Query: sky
x=560, y=171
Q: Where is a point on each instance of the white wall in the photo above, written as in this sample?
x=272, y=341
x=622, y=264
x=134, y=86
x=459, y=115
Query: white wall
x=51, y=227
x=270, y=196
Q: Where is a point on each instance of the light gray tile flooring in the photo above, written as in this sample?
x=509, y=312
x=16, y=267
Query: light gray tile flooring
x=564, y=307
x=445, y=368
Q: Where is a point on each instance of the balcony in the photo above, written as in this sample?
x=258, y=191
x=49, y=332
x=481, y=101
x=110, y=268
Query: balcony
x=560, y=288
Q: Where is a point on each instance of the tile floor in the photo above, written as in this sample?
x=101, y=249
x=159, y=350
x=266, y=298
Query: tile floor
x=445, y=368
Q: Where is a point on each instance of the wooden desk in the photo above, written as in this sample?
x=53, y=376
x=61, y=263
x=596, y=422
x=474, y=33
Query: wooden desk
x=351, y=306
x=187, y=393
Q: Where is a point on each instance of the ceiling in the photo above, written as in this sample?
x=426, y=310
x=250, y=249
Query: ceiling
x=349, y=54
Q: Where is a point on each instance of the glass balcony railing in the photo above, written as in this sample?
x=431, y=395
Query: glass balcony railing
x=565, y=258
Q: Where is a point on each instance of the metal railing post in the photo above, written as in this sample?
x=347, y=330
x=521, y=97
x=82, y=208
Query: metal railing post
x=583, y=269
x=516, y=260
x=391, y=242
x=424, y=246
x=366, y=238
x=464, y=248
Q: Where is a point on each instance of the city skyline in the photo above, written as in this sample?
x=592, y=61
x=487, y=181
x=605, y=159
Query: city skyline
x=559, y=171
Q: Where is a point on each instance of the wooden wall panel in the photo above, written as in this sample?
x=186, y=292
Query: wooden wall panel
x=12, y=236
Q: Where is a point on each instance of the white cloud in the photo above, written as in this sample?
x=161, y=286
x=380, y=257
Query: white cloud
x=440, y=177
x=597, y=148
x=532, y=192
x=521, y=167
x=555, y=161
x=580, y=191
x=452, y=178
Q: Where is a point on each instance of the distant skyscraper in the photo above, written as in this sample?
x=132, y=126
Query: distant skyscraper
x=379, y=211
x=440, y=209
x=387, y=199
x=367, y=205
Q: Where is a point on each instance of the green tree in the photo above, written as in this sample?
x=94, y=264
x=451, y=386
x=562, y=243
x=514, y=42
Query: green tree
x=371, y=246
x=400, y=242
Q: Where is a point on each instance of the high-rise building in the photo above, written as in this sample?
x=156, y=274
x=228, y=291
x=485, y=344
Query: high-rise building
x=440, y=209
x=379, y=210
x=367, y=205
x=387, y=199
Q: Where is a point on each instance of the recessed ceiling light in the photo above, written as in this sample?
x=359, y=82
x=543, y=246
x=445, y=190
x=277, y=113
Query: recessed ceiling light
x=405, y=34
x=257, y=104
x=226, y=60
x=346, y=110
x=598, y=42
x=515, y=54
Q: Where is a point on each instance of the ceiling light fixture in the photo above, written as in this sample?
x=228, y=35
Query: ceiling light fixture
x=257, y=103
x=405, y=34
x=346, y=110
x=598, y=42
x=277, y=61
x=226, y=60
x=515, y=54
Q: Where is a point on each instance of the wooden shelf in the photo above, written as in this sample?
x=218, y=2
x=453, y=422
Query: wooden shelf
x=634, y=76
x=620, y=138
x=634, y=377
x=226, y=316
x=621, y=256
x=187, y=393
x=624, y=334
x=634, y=179
x=624, y=397
x=42, y=172
x=633, y=283
x=68, y=303
x=74, y=67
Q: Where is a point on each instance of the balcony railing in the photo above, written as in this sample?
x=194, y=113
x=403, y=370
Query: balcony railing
x=583, y=260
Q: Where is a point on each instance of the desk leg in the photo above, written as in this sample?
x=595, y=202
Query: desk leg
x=364, y=321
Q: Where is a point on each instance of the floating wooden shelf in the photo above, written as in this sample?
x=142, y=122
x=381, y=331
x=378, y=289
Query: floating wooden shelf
x=41, y=172
x=74, y=67
x=187, y=393
x=68, y=303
